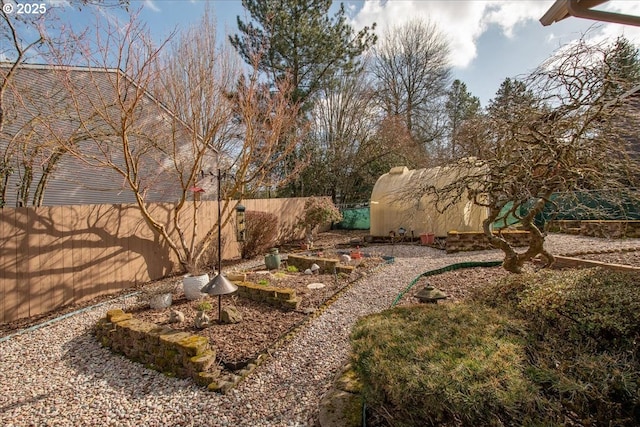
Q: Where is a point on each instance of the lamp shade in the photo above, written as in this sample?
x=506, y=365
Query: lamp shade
x=219, y=285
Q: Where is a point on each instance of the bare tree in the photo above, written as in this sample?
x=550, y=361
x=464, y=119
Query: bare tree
x=121, y=136
x=28, y=145
x=412, y=71
x=567, y=135
x=197, y=73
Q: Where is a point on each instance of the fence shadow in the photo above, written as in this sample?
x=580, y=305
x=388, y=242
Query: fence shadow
x=55, y=256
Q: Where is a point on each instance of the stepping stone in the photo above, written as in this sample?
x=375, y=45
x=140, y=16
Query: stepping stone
x=315, y=285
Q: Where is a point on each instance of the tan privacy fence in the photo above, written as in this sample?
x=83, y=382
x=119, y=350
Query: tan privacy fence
x=54, y=256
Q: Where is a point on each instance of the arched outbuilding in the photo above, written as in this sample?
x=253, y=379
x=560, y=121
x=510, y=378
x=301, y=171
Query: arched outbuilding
x=393, y=206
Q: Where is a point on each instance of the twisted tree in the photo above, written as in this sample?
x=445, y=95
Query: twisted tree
x=564, y=128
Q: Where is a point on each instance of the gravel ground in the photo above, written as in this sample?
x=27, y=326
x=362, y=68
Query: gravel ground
x=59, y=375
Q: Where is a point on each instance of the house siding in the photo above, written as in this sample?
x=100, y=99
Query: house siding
x=40, y=112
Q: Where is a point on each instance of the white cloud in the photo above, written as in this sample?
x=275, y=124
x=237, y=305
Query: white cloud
x=151, y=5
x=463, y=22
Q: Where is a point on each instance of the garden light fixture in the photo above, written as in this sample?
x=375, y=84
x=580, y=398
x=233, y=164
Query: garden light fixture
x=219, y=285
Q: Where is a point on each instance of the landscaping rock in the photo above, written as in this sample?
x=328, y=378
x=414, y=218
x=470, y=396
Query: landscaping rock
x=339, y=408
x=230, y=315
x=202, y=320
x=176, y=316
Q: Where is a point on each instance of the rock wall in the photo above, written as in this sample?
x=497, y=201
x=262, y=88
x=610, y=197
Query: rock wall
x=598, y=228
x=475, y=241
x=284, y=298
x=171, y=352
x=303, y=262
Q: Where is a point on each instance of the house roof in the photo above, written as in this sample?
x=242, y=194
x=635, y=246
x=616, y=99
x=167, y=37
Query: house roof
x=46, y=104
x=563, y=9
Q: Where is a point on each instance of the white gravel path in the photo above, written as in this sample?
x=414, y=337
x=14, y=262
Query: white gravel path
x=59, y=375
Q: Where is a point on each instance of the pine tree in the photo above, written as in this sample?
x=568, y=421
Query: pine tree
x=297, y=39
x=623, y=66
x=459, y=106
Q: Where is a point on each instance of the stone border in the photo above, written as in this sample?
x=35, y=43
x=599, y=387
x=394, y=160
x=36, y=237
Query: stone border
x=597, y=228
x=461, y=241
x=284, y=298
x=227, y=382
x=163, y=349
x=187, y=355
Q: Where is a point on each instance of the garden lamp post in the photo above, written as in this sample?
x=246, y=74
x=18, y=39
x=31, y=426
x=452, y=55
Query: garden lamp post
x=220, y=285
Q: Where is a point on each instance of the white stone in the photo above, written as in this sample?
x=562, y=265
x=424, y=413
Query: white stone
x=315, y=285
x=176, y=316
x=345, y=259
x=160, y=301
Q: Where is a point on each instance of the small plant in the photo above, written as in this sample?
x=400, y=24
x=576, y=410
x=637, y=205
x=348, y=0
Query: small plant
x=317, y=211
x=280, y=275
x=292, y=269
x=263, y=282
x=204, y=306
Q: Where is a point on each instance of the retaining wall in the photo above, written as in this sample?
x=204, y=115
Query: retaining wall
x=476, y=241
x=597, y=228
x=174, y=353
x=284, y=298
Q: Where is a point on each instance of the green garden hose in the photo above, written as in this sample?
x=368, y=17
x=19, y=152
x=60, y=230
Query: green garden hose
x=451, y=267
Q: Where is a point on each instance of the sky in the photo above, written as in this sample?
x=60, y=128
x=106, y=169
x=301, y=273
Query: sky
x=490, y=40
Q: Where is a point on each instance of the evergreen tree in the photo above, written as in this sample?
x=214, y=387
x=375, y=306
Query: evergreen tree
x=511, y=95
x=297, y=39
x=459, y=106
x=623, y=66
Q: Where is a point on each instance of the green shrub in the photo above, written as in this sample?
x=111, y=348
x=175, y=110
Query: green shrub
x=292, y=269
x=260, y=235
x=204, y=306
x=589, y=306
x=434, y=365
x=537, y=349
x=317, y=211
x=584, y=327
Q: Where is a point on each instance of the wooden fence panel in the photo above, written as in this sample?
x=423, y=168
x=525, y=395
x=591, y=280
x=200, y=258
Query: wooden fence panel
x=65, y=225
x=55, y=256
x=9, y=301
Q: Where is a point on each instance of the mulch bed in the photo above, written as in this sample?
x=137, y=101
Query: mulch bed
x=262, y=325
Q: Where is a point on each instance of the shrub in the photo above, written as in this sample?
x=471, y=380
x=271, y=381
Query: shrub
x=583, y=330
x=435, y=365
x=261, y=233
x=317, y=211
x=204, y=306
x=548, y=348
